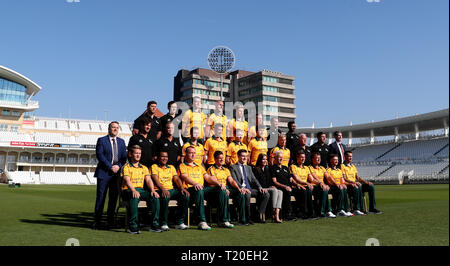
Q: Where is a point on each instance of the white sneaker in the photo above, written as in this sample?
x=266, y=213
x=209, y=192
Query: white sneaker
x=342, y=213
x=204, y=226
x=227, y=225
x=165, y=228
x=348, y=214
x=181, y=226
x=357, y=212
x=330, y=215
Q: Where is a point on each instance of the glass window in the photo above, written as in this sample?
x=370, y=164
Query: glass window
x=15, y=113
x=6, y=112
x=270, y=98
x=270, y=79
x=270, y=89
x=187, y=83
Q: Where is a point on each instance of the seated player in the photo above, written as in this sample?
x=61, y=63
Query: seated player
x=352, y=177
x=337, y=187
x=257, y=146
x=235, y=146
x=282, y=179
x=217, y=184
x=164, y=175
x=282, y=147
x=302, y=176
x=133, y=176
x=321, y=190
x=193, y=176
x=200, y=157
x=215, y=143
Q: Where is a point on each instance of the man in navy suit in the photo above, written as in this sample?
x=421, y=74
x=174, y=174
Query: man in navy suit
x=111, y=155
x=338, y=147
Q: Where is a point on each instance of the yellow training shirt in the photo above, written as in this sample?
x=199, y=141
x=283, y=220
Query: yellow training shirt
x=256, y=147
x=195, y=172
x=136, y=174
x=221, y=174
x=349, y=171
x=165, y=175
x=233, y=149
x=286, y=154
x=215, y=119
x=195, y=119
x=215, y=144
x=302, y=172
x=336, y=174
x=319, y=172
x=242, y=125
x=199, y=151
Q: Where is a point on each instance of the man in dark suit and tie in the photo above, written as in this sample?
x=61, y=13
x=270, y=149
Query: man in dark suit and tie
x=338, y=147
x=111, y=155
x=244, y=177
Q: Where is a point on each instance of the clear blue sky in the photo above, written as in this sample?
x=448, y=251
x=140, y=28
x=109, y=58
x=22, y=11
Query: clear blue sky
x=352, y=60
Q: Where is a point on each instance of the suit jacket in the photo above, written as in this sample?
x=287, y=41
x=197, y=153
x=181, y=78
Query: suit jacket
x=103, y=151
x=334, y=149
x=239, y=178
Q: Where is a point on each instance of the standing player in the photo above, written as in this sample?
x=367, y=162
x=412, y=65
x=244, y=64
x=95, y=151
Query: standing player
x=235, y=146
x=215, y=143
x=282, y=147
x=200, y=157
x=252, y=130
x=238, y=123
x=218, y=117
x=321, y=147
x=257, y=146
x=150, y=114
x=194, y=118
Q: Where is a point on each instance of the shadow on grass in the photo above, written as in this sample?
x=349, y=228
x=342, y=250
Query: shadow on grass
x=81, y=219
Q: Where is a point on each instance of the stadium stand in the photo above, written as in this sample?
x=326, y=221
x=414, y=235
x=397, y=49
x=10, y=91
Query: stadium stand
x=59, y=178
x=23, y=177
x=416, y=149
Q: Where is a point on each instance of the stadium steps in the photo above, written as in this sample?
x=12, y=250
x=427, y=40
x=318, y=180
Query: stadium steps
x=445, y=146
x=443, y=169
x=388, y=151
x=385, y=170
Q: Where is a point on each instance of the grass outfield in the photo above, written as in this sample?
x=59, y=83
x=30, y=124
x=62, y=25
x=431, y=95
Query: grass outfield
x=416, y=215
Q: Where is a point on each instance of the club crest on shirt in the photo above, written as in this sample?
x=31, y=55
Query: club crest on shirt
x=165, y=144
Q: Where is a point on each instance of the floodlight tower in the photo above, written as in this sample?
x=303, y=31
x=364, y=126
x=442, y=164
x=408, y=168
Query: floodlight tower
x=221, y=60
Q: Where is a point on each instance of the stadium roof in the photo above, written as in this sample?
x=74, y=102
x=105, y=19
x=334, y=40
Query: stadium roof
x=406, y=125
x=32, y=88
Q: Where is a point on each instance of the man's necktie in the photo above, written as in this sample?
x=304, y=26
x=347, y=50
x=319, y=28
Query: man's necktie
x=115, y=153
x=247, y=184
x=342, y=152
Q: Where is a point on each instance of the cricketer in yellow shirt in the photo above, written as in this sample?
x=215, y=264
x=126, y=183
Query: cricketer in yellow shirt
x=257, y=146
x=133, y=175
x=212, y=145
x=164, y=176
x=193, y=176
x=199, y=148
x=337, y=187
x=222, y=185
